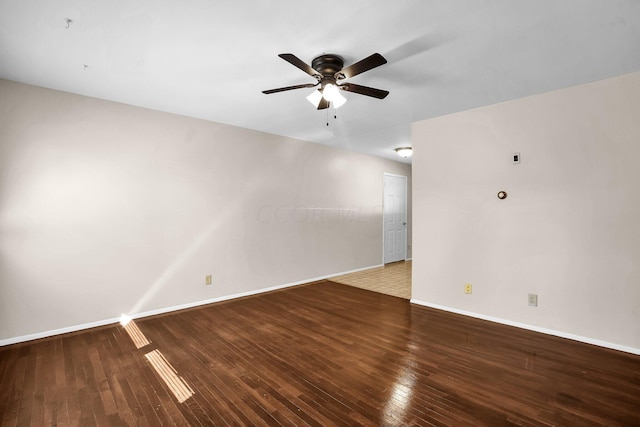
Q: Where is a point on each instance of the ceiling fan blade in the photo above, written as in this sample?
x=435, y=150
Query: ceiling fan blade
x=295, y=61
x=282, y=89
x=323, y=104
x=364, y=90
x=366, y=64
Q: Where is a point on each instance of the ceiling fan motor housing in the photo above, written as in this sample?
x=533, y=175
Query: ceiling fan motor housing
x=327, y=65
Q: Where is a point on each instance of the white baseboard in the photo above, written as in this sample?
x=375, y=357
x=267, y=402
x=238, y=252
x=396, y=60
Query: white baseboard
x=560, y=334
x=60, y=331
x=75, y=328
x=239, y=295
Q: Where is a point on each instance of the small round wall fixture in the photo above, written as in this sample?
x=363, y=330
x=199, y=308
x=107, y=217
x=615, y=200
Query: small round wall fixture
x=404, y=151
x=502, y=195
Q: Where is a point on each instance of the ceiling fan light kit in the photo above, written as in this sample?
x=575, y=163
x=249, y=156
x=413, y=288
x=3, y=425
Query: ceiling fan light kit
x=328, y=70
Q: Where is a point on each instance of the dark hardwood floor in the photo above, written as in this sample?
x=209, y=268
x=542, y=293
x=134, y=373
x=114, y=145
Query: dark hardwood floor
x=320, y=354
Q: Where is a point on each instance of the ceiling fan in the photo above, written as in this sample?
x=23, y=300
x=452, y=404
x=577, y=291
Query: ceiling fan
x=328, y=70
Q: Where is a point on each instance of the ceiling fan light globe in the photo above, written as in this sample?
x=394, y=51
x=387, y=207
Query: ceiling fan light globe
x=315, y=97
x=329, y=92
x=338, y=100
x=332, y=94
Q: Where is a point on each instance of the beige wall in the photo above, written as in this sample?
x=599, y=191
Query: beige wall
x=108, y=209
x=569, y=230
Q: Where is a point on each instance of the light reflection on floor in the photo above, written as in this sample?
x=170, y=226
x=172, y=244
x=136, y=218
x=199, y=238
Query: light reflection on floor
x=163, y=368
x=402, y=393
x=169, y=375
x=136, y=335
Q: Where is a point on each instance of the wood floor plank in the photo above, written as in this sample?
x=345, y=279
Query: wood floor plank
x=59, y=416
x=316, y=355
x=13, y=367
x=28, y=389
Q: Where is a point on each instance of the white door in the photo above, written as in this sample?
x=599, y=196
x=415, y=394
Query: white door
x=395, y=218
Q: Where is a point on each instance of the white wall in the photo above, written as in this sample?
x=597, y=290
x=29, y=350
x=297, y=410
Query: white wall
x=108, y=209
x=569, y=230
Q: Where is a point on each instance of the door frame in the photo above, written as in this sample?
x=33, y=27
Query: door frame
x=406, y=214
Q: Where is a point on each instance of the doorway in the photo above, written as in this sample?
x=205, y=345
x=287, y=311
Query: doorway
x=395, y=218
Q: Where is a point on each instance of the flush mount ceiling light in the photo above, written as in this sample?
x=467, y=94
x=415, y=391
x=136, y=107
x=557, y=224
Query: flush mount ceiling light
x=404, y=151
x=328, y=70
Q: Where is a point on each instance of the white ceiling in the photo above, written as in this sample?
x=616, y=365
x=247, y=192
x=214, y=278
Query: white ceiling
x=211, y=59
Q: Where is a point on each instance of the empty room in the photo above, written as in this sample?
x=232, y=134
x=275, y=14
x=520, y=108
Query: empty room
x=363, y=213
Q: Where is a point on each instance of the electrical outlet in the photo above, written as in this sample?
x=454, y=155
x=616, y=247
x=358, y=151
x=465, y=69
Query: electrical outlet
x=533, y=300
x=207, y=279
x=468, y=288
